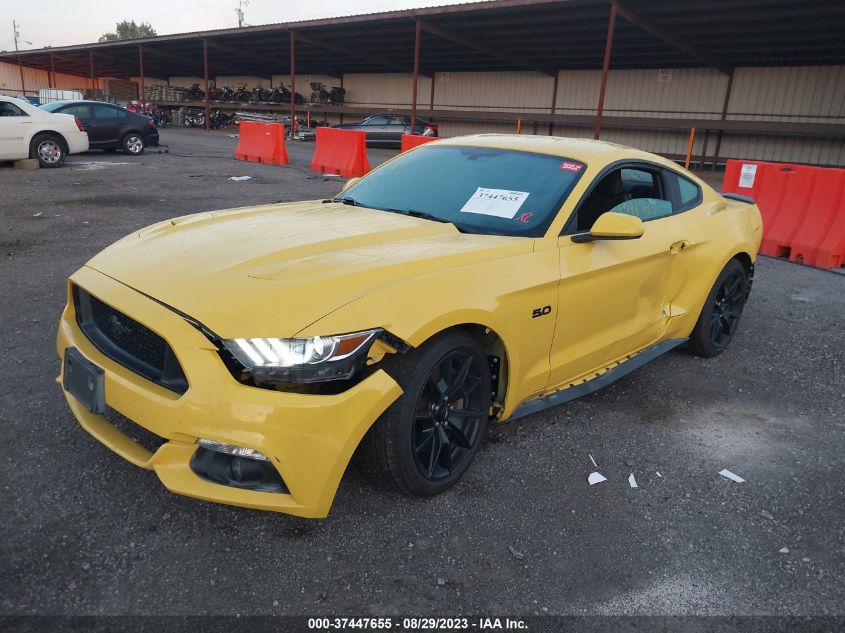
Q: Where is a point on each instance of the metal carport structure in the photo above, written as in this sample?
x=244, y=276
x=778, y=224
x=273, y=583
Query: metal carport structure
x=545, y=36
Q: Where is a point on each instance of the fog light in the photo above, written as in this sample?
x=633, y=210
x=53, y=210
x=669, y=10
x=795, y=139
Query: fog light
x=236, y=466
x=231, y=449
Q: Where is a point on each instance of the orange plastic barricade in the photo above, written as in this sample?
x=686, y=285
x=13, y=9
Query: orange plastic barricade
x=790, y=187
x=820, y=240
x=341, y=152
x=262, y=143
x=803, y=209
x=248, y=140
x=273, y=150
x=409, y=141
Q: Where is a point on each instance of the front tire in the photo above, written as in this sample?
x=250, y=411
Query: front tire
x=133, y=144
x=719, y=318
x=49, y=149
x=425, y=441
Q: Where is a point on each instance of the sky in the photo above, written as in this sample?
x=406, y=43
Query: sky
x=63, y=22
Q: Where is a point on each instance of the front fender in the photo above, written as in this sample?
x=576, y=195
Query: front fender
x=502, y=295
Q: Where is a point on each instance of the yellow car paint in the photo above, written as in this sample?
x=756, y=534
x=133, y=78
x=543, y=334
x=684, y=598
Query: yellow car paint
x=332, y=269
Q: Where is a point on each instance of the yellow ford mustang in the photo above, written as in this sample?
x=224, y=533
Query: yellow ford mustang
x=245, y=355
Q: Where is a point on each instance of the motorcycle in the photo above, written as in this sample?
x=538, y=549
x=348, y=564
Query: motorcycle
x=336, y=96
x=217, y=120
x=277, y=95
x=196, y=93
x=241, y=94
x=319, y=93
x=194, y=119
x=259, y=95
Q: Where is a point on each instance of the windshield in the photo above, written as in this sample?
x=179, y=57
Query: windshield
x=479, y=189
x=51, y=106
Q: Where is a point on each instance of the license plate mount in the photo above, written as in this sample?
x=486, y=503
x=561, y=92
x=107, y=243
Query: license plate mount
x=84, y=381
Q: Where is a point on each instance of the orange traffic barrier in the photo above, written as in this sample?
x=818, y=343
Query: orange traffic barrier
x=803, y=209
x=262, y=143
x=248, y=140
x=820, y=241
x=273, y=151
x=341, y=152
x=409, y=141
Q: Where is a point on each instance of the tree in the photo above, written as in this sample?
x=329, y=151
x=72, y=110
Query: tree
x=127, y=30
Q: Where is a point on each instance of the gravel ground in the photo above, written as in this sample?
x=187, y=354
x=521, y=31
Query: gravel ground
x=85, y=532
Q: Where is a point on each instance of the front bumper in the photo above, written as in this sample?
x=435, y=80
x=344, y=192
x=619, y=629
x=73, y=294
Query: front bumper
x=309, y=439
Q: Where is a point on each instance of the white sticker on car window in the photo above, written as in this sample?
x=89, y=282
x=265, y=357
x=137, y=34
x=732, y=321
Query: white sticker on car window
x=747, y=175
x=500, y=203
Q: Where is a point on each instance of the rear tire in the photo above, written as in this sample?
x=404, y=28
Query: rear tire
x=425, y=441
x=133, y=144
x=719, y=318
x=49, y=149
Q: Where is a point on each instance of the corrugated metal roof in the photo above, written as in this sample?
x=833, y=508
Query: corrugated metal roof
x=543, y=35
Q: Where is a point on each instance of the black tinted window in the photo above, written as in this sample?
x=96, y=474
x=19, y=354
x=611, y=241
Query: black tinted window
x=377, y=120
x=105, y=112
x=10, y=109
x=80, y=110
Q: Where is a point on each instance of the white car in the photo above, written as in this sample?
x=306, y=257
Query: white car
x=29, y=132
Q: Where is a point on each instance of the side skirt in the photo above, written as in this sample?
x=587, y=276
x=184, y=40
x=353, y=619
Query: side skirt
x=610, y=376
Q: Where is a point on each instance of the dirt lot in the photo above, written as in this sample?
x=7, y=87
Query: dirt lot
x=85, y=532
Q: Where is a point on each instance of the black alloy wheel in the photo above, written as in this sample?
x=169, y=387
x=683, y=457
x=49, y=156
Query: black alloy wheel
x=448, y=415
x=424, y=442
x=717, y=324
x=724, y=317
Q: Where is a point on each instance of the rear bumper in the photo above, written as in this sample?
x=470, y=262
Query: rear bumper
x=309, y=439
x=77, y=142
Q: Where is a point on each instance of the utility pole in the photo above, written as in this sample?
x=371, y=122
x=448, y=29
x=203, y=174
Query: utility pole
x=240, y=12
x=20, y=66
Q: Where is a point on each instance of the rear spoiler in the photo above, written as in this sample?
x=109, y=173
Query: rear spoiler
x=736, y=196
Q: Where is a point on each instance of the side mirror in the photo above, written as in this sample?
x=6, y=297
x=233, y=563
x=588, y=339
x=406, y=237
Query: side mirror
x=349, y=183
x=613, y=226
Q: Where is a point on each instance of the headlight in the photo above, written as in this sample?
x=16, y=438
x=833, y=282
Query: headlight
x=298, y=360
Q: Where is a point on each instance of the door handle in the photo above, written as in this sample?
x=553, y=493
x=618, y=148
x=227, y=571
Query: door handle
x=678, y=247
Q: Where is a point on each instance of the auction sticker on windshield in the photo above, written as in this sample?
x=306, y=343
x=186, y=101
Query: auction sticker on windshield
x=499, y=203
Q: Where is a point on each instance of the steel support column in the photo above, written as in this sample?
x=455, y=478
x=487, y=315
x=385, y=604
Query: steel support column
x=292, y=83
x=23, y=83
x=417, y=32
x=725, y=105
x=141, y=76
x=52, y=75
x=608, y=49
x=554, y=104
x=205, y=71
x=91, y=71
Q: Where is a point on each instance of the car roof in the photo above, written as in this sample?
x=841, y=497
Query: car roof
x=78, y=101
x=579, y=149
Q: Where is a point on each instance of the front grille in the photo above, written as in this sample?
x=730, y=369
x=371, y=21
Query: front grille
x=128, y=342
x=134, y=431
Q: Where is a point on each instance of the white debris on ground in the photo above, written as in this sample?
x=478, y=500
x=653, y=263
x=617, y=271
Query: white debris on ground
x=631, y=481
x=595, y=477
x=728, y=474
x=240, y=178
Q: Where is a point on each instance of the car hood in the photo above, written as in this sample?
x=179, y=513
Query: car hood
x=273, y=270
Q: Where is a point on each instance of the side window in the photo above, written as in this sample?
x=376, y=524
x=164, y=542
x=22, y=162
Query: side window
x=377, y=120
x=632, y=190
x=107, y=113
x=10, y=109
x=689, y=193
x=82, y=111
